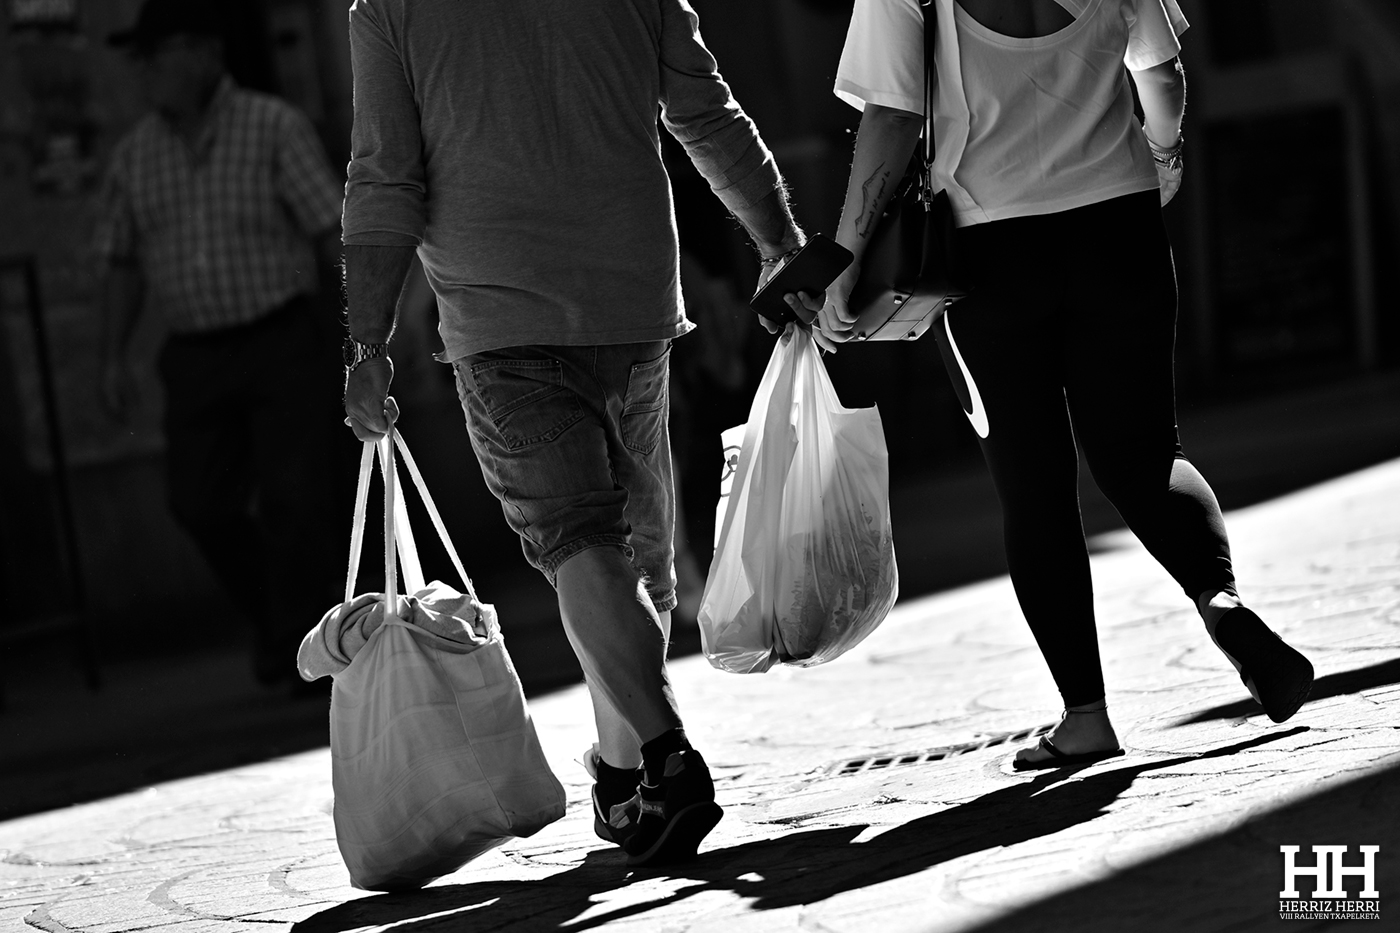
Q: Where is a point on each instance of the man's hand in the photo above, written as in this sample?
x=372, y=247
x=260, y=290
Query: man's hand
x=119, y=389
x=374, y=277
x=369, y=409
x=765, y=272
x=806, y=306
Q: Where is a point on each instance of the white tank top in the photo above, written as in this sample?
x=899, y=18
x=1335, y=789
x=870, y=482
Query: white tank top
x=1021, y=126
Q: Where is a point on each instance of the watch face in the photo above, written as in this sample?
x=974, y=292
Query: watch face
x=347, y=351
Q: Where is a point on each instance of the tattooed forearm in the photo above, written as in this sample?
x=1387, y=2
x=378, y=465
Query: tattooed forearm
x=870, y=191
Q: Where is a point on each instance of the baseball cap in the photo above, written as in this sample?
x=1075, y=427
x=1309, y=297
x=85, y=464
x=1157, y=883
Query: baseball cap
x=161, y=19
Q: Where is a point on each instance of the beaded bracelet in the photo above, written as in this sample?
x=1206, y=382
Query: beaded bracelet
x=1168, y=158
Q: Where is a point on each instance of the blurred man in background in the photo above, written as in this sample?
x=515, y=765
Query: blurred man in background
x=214, y=208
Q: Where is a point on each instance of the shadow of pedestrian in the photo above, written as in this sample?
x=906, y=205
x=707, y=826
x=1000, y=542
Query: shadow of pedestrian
x=1332, y=685
x=798, y=868
x=1231, y=880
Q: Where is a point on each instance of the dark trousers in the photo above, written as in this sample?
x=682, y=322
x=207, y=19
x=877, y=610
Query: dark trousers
x=250, y=422
x=1069, y=333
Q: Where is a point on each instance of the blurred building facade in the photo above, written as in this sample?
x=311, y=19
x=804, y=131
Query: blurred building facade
x=1289, y=213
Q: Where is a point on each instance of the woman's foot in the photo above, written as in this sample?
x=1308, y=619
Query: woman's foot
x=1084, y=734
x=1213, y=607
x=1275, y=674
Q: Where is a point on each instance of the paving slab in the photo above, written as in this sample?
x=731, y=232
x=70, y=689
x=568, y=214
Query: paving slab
x=870, y=794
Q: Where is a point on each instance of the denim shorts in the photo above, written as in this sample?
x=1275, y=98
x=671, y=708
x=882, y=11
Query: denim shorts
x=574, y=443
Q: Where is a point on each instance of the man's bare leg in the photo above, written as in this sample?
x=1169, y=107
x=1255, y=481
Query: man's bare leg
x=620, y=641
x=617, y=744
x=621, y=645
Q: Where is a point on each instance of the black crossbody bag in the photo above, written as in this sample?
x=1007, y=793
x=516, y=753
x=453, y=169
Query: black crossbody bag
x=906, y=279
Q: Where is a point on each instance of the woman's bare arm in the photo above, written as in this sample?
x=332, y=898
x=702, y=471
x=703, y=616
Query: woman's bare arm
x=884, y=145
x=1162, y=91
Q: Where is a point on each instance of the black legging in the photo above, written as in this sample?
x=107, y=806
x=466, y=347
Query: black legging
x=1073, y=319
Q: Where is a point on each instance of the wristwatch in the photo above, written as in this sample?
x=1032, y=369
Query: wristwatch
x=353, y=353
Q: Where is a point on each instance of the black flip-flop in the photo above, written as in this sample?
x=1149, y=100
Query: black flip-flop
x=1282, y=676
x=1059, y=759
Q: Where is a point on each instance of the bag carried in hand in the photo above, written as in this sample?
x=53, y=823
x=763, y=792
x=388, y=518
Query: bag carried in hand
x=906, y=273
x=434, y=759
x=804, y=562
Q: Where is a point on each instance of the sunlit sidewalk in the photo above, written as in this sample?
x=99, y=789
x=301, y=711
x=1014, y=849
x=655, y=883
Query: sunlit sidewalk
x=874, y=793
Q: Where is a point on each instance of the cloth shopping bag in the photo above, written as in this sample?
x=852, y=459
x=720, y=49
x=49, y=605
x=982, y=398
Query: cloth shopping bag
x=804, y=564
x=434, y=758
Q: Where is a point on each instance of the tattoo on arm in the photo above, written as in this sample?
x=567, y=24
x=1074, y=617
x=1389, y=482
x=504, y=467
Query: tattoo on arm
x=870, y=192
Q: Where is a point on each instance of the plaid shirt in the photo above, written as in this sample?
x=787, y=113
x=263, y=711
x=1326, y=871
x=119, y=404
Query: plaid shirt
x=222, y=230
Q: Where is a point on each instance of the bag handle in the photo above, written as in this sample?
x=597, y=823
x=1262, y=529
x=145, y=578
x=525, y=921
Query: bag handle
x=357, y=524
x=404, y=541
x=433, y=514
x=385, y=449
x=399, y=545
x=930, y=11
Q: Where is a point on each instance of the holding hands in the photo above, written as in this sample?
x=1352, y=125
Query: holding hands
x=884, y=144
x=824, y=312
x=803, y=304
x=827, y=313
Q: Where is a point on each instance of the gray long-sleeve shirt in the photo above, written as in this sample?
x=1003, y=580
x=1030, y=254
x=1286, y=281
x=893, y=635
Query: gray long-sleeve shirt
x=516, y=143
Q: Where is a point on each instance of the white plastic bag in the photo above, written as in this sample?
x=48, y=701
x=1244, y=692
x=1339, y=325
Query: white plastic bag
x=804, y=563
x=434, y=759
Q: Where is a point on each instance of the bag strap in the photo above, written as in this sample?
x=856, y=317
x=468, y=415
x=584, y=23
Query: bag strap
x=391, y=497
x=399, y=545
x=930, y=11
x=357, y=523
x=433, y=514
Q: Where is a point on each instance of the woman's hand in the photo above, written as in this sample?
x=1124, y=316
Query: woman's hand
x=1169, y=180
x=1162, y=93
x=835, y=319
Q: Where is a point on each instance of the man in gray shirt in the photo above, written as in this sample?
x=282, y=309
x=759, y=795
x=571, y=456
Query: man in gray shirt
x=514, y=145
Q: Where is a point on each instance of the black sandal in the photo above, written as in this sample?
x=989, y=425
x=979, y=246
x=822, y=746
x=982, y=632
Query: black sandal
x=1059, y=759
x=1280, y=675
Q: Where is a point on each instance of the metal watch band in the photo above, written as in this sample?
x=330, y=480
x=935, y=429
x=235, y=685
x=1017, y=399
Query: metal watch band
x=353, y=353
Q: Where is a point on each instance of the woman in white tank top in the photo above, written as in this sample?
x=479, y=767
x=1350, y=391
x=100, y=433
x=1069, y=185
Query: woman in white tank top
x=1068, y=333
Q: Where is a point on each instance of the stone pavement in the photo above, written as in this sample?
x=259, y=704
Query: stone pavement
x=872, y=793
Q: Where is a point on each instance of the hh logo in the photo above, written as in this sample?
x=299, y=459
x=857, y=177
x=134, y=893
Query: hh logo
x=1328, y=871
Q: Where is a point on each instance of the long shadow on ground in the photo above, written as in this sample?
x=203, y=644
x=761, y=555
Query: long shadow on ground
x=799, y=868
x=1232, y=881
x=1331, y=685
